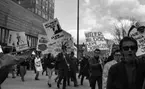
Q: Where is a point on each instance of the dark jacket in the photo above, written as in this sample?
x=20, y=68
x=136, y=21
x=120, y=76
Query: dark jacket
x=84, y=67
x=73, y=61
x=117, y=77
x=61, y=64
x=49, y=62
x=95, y=67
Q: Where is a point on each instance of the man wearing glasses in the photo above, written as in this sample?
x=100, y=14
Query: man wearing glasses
x=115, y=59
x=130, y=72
x=95, y=70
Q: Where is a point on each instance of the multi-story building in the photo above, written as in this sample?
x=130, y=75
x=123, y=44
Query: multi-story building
x=43, y=8
x=14, y=17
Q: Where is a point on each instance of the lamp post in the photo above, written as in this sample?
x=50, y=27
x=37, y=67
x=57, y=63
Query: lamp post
x=77, y=28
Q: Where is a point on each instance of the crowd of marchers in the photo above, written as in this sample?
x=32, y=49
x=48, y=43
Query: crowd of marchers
x=121, y=70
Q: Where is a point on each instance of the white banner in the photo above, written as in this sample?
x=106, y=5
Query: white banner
x=38, y=64
x=95, y=40
x=140, y=38
x=57, y=37
x=52, y=27
x=42, y=44
x=58, y=40
x=18, y=40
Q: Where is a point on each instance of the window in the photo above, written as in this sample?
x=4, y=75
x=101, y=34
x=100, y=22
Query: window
x=43, y=7
x=32, y=9
x=36, y=1
x=46, y=9
x=3, y=34
x=36, y=11
x=6, y=35
x=39, y=12
x=0, y=35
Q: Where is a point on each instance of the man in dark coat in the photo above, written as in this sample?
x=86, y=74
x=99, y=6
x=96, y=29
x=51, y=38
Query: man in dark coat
x=95, y=70
x=63, y=67
x=84, y=68
x=73, y=69
x=130, y=72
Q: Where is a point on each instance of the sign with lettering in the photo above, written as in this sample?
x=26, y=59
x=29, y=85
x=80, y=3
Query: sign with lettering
x=17, y=40
x=95, y=40
x=58, y=40
x=42, y=44
x=52, y=28
x=139, y=36
x=57, y=37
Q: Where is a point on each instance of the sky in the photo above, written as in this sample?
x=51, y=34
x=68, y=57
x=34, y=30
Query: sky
x=97, y=15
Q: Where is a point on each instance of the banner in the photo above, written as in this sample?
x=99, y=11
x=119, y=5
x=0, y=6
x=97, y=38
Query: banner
x=139, y=35
x=38, y=64
x=52, y=27
x=42, y=44
x=58, y=40
x=95, y=40
x=57, y=37
x=17, y=40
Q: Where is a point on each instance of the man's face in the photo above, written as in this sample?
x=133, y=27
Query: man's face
x=117, y=56
x=96, y=53
x=128, y=50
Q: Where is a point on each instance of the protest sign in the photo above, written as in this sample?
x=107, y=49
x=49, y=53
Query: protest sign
x=139, y=36
x=18, y=40
x=52, y=27
x=95, y=40
x=38, y=64
x=42, y=44
x=57, y=37
x=58, y=40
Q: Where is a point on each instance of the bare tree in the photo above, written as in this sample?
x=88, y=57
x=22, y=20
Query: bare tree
x=122, y=30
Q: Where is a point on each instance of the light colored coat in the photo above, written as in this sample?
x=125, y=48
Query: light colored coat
x=105, y=73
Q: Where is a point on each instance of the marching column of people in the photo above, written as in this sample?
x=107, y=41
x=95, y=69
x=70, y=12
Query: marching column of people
x=122, y=70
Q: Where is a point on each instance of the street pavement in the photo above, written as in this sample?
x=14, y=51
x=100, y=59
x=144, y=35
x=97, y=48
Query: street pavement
x=31, y=83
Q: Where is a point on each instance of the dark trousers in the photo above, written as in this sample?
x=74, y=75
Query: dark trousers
x=4, y=74
x=62, y=76
x=82, y=79
x=93, y=80
x=22, y=72
x=72, y=76
x=37, y=75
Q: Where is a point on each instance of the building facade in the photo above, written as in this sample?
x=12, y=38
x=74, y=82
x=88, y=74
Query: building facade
x=43, y=8
x=14, y=17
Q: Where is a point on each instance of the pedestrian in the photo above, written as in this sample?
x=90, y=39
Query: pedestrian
x=84, y=69
x=12, y=71
x=23, y=69
x=116, y=58
x=130, y=72
x=63, y=67
x=44, y=64
x=95, y=70
x=49, y=66
x=38, y=66
x=73, y=69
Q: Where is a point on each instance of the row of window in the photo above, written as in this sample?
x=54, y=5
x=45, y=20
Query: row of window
x=45, y=5
x=32, y=41
x=44, y=15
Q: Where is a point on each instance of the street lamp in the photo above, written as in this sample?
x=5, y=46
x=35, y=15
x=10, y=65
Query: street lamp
x=77, y=28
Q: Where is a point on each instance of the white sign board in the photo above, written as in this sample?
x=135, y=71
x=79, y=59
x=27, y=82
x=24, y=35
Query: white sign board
x=52, y=27
x=58, y=40
x=18, y=40
x=140, y=38
x=57, y=37
x=95, y=40
x=42, y=44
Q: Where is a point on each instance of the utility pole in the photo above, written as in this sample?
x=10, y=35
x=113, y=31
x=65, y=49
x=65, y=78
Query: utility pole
x=77, y=28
